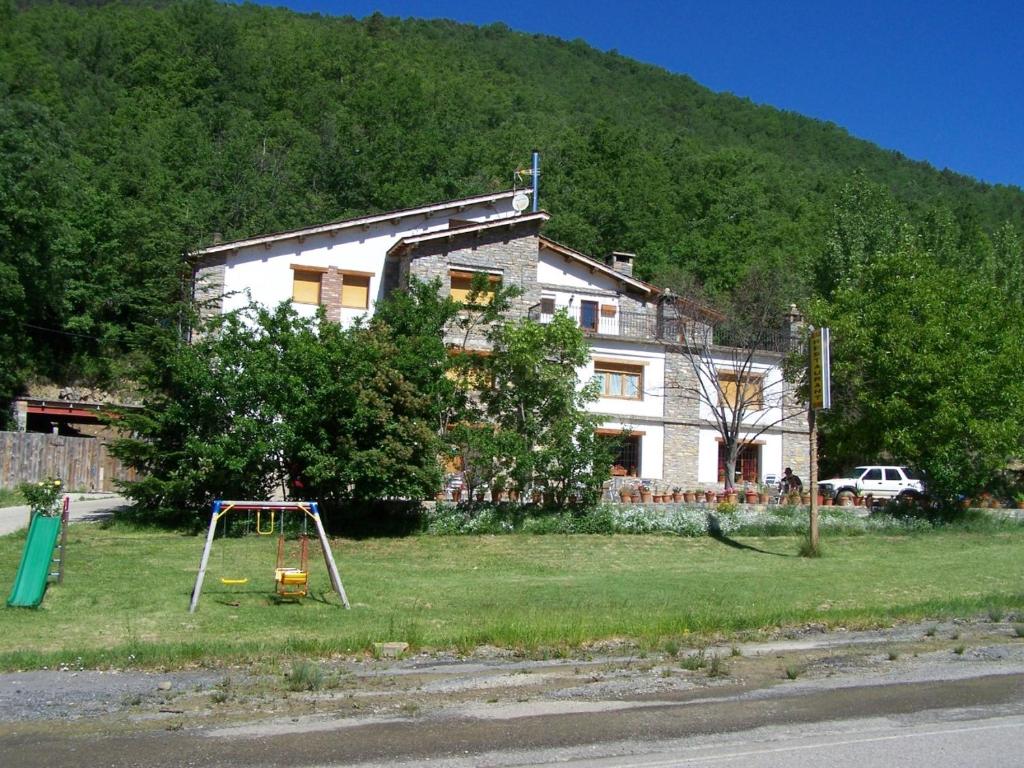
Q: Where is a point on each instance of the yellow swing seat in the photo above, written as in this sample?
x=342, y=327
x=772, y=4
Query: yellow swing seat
x=230, y=582
x=291, y=582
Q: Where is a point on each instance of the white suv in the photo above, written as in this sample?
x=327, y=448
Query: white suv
x=880, y=482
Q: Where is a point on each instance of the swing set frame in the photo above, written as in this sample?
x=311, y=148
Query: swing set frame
x=309, y=508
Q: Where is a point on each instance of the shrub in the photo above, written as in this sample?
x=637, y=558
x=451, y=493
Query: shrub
x=43, y=497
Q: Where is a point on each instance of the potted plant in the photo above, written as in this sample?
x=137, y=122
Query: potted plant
x=498, y=489
x=764, y=495
x=625, y=492
x=678, y=495
x=709, y=495
x=805, y=497
x=750, y=494
x=1018, y=499
x=646, y=495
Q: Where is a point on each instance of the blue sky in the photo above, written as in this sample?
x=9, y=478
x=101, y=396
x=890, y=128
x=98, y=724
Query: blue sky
x=940, y=81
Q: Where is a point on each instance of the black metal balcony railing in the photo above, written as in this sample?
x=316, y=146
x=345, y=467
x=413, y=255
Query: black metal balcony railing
x=644, y=326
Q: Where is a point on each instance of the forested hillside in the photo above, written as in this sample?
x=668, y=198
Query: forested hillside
x=130, y=133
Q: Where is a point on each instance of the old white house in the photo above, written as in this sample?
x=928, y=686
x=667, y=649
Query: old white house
x=650, y=386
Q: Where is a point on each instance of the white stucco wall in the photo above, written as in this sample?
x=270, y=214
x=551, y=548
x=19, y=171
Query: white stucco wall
x=650, y=357
x=555, y=269
x=772, y=393
x=652, y=446
x=264, y=274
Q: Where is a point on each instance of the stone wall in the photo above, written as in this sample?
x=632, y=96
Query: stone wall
x=795, y=438
x=513, y=256
x=208, y=288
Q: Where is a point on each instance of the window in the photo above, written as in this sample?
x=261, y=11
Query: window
x=891, y=473
x=873, y=474
x=620, y=379
x=306, y=286
x=547, y=305
x=748, y=463
x=462, y=286
x=588, y=315
x=355, y=290
x=625, y=451
x=469, y=369
x=741, y=391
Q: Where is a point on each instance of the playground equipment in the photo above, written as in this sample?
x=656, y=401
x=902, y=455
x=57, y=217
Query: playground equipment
x=42, y=551
x=290, y=582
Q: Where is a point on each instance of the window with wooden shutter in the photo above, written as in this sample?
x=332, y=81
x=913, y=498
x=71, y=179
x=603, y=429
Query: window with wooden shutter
x=306, y=286
x=744, y=392
x=547, y=305
x=355, y=290
x=462, y=286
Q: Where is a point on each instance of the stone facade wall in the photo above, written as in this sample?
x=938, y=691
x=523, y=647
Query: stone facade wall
x=682, y=424
x=514, y=256
x=208, y=289
x=682, y=454
x=795, y=438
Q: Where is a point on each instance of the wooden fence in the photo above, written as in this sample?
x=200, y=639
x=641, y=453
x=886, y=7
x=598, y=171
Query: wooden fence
x=83, y=463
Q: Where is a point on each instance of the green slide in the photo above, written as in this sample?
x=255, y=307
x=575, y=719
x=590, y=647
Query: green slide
x=30, y=583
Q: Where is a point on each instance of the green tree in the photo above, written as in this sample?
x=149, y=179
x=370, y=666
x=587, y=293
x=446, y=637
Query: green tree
x=543, y=435
x=264, y=401
x=922, y=372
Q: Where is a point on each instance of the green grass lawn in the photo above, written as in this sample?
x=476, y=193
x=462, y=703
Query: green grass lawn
x=126, y=592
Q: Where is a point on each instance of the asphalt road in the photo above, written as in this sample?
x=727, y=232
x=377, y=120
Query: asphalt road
x=939, y=711
x=83, y=507
x=932, y=741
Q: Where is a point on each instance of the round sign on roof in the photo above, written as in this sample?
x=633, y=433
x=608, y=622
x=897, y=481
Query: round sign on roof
x=520, y=201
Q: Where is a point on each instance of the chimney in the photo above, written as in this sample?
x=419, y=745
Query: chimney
x=622, y=262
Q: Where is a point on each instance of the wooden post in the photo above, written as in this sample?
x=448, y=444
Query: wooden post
x=812, y=423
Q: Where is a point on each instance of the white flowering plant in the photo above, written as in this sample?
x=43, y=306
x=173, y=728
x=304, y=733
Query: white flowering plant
x=43, y=497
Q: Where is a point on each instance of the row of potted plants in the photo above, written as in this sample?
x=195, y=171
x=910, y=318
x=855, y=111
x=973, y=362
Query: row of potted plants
x=642, y=493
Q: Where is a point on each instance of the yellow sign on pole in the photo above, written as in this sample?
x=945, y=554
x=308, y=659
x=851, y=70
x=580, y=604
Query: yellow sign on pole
x=820, y=370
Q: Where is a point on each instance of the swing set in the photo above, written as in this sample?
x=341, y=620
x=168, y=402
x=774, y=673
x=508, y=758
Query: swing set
x=290, y=582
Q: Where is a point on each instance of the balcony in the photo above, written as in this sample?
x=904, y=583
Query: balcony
x=643, y=326
x=628, y=325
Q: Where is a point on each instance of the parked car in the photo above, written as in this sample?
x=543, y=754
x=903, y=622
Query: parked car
x=878, y=481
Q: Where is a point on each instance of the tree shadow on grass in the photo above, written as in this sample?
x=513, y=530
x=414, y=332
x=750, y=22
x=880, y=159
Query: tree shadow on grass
x=715, y=532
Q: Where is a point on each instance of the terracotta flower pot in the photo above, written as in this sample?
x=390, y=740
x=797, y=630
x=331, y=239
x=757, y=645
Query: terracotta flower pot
x=646, y=497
